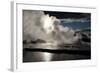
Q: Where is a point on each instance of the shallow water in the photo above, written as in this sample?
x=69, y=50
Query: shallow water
x=42, y=55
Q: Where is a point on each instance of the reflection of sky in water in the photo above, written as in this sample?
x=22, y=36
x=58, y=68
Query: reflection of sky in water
x=76, y=24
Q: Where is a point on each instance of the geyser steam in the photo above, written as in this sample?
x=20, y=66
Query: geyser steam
x=47, y=23
x=38, y=25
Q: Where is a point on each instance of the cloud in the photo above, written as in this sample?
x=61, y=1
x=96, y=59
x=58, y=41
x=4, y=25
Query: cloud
x=73, y=20
x=35, y=23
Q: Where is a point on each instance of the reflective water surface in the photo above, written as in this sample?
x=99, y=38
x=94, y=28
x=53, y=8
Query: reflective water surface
x=56, y=54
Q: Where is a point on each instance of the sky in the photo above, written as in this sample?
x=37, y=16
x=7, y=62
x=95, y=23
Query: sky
x=62, y=15
x=72, y=19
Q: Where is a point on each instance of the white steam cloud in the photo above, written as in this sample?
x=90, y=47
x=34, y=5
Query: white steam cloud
x=37, y=25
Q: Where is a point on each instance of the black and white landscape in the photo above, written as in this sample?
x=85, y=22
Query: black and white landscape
x=56, y=36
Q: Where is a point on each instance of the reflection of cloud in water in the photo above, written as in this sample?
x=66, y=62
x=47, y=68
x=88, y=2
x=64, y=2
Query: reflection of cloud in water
x=47, y=56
